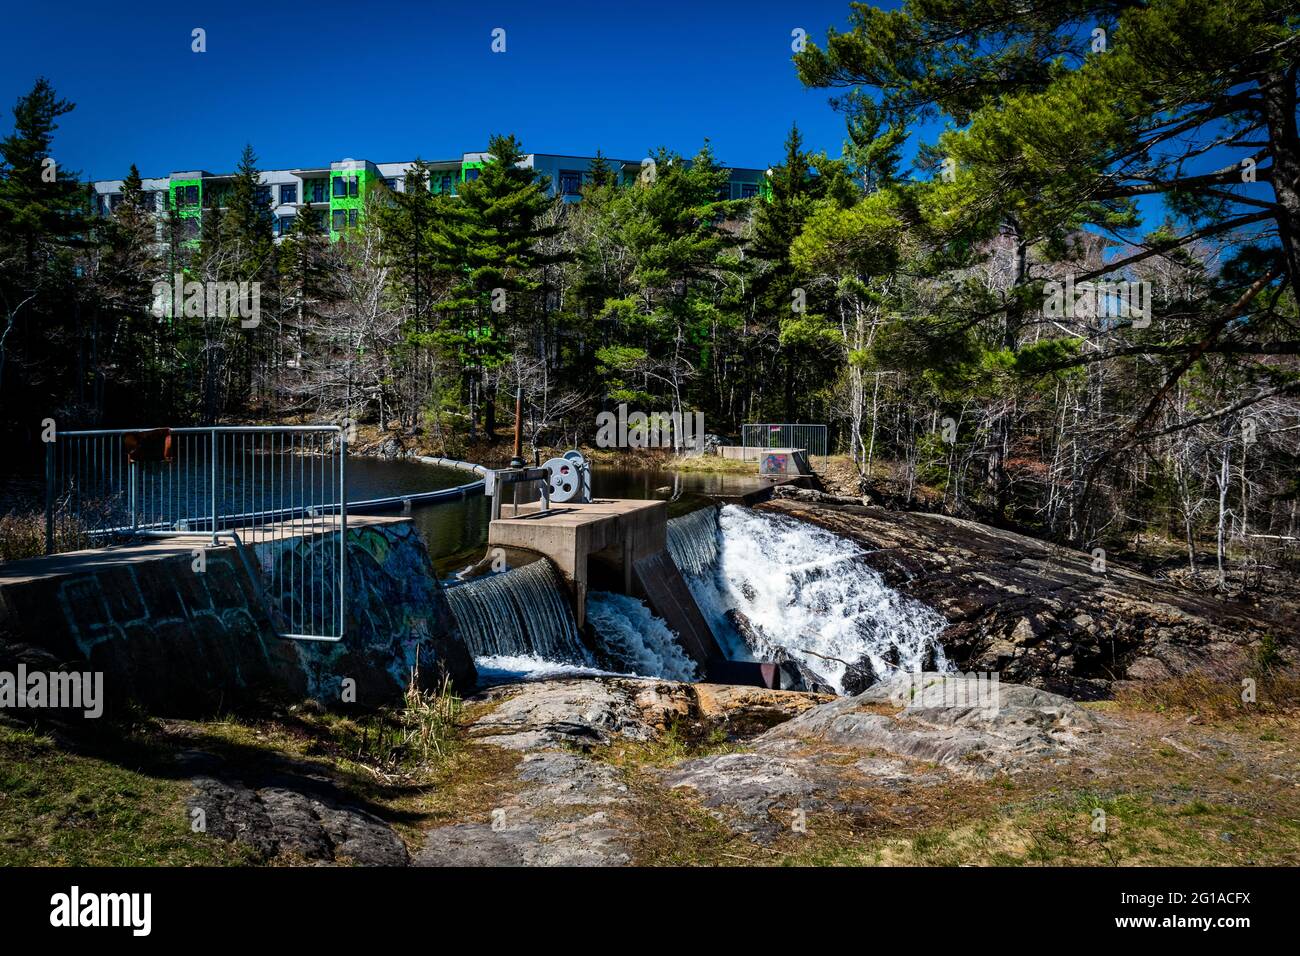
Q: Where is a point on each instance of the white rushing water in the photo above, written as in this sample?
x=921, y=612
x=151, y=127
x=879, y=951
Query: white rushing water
x=806, y=591
x=507, y=668
x=518, y=624
x=518, y=613
x=639, y=642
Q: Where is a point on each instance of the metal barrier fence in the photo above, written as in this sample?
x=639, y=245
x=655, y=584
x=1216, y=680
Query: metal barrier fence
x=278, y=493
x=759, y=437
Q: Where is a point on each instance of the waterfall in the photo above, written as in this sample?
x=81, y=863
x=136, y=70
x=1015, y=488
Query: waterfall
x=769, y=585
x=636, y=640
x=518, y=613
x=806, y=592
x=693, y=541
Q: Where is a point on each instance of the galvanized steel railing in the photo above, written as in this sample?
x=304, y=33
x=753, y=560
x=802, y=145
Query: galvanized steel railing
x=278, y=492
x=812, y=438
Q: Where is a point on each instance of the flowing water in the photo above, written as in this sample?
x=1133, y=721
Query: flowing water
x=638, y=641
x=518, y=622
x=802, y=590
x=518, y=613
x=799, y=589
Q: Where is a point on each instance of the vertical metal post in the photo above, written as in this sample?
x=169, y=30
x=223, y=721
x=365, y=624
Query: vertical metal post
x=517, y=460
x=342, y=531
x=49, y=495
x=130, y=477
x=213, y=463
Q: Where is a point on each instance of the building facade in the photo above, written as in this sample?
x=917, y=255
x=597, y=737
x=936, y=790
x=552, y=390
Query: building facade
x=336, y=193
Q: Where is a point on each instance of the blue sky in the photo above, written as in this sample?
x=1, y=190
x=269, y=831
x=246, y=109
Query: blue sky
x=314, y=83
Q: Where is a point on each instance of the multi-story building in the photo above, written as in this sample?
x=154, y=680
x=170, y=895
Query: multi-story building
x=336, y=193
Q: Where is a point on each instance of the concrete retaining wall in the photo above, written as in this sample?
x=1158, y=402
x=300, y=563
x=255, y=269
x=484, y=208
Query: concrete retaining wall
x=180, y=642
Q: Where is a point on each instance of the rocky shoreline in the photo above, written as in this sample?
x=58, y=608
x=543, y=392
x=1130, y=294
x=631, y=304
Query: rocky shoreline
x=1045, y=615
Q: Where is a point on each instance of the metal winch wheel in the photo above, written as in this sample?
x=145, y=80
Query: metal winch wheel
x=565, y=479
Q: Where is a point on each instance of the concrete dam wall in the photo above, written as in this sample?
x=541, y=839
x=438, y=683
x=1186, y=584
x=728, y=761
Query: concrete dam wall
x=185, y=642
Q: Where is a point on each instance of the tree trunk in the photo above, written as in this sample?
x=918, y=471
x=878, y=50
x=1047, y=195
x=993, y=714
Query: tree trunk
x=1279, y=95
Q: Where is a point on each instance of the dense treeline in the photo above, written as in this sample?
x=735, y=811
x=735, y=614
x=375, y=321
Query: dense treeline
x=910, y=306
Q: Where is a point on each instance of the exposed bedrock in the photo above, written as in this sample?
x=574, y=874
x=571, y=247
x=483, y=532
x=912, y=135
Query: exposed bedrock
x=1038, y=613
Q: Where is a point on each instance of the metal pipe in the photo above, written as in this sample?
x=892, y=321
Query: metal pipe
x=518, y=460
x=213, y=463
x=343, y=528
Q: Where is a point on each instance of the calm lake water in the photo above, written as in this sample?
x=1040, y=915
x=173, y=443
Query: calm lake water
x=456, y=531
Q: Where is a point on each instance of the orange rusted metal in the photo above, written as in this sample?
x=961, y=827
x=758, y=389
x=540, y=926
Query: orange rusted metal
x=153, y=445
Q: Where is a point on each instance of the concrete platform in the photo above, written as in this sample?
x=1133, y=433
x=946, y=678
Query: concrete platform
x=620, y=530
x=623, y=541
x=91, y=560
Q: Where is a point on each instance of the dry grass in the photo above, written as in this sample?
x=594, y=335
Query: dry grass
x=22, y=534
x=1275, y=692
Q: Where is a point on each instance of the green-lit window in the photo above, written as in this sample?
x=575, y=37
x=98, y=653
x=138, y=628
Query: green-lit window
x=340, y=220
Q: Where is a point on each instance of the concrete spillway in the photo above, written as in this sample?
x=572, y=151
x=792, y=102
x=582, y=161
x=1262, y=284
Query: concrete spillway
x=616, y=545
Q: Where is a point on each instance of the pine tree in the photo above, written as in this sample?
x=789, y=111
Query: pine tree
x=39, y=202
x=669, y=228
x=303, y=280
x=418, y=266
x=130, y=339
x=491, y=240
x=599, y=173
x=789, y=305
x=248, y=222
x=43, y=221
x=1063, y=117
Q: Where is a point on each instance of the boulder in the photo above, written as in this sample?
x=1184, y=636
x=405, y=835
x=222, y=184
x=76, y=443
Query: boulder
x=970, y=726
x=285, y=821
x=858, y=677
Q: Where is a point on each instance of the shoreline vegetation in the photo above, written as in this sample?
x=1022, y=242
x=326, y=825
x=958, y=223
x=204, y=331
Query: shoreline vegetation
x=1185, y=774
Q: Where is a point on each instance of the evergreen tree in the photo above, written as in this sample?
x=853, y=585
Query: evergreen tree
x=670, y=230
x=599, y=173
x=39, y=202
x=43, y=220
x=418, y=268
x=792, y=310
x=248, y=222
x=1063, y=115
x=491, y=239
x=304, y=281
x=129, y=338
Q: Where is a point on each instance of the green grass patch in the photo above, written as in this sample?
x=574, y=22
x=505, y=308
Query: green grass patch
x=60, y=808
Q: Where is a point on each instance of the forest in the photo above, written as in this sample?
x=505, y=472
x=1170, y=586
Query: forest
x=948, y=294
